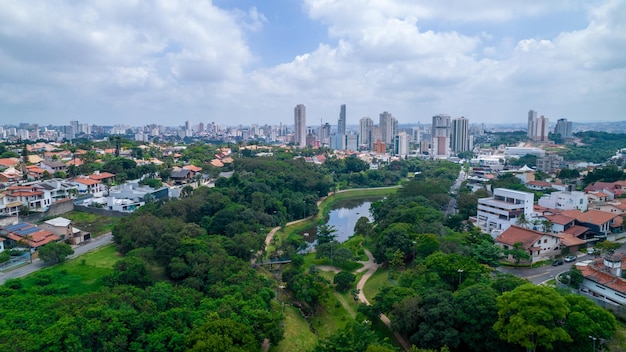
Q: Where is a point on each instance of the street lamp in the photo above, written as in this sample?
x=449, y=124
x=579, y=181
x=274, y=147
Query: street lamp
x=594, y=342
x=460, y=271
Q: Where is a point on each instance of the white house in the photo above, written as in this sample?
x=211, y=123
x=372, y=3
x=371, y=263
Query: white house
x=603, y=279
x=64, y=228
x=496, y=214
x=564, y=200
x=540, y=246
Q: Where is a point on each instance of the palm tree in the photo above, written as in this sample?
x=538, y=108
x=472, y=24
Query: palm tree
x=547, y=225
x=522, y=221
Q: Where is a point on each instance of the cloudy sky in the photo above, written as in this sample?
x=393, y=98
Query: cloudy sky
x=244, y=61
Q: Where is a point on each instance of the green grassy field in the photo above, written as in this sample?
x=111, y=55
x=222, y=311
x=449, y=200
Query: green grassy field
x=80, y=275
x=297, y=335
x=375, y=283
x=96, y=224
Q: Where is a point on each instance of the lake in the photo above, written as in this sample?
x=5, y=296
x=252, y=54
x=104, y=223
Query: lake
x=343, y=216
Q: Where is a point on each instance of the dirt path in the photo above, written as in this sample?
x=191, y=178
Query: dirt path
x=371, y=268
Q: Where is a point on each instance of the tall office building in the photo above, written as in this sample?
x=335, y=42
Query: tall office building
x=352, y=142
x=459, y=141
x=401, y=141
x=542, y=124
x=388, y=127
x=537, y=127
x=440, y=136
x=532, y=129
x=564, y=128
x=299, y=118
x=324, y=133
x=365, y=130
x=341, y=125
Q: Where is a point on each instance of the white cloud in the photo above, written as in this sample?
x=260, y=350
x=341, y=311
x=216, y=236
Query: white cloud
x=192, y=59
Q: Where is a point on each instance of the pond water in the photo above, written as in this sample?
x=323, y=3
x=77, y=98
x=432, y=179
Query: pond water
x=343, y=216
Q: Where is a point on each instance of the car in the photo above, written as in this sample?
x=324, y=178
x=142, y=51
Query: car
x=591, y=250
x=557, y=262
x=570, y=258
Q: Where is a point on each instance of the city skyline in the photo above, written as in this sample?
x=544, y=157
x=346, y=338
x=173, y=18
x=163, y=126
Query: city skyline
x=239, y=62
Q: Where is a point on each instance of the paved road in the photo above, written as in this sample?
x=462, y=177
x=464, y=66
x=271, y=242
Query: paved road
x=544, y=273
x=38, y=264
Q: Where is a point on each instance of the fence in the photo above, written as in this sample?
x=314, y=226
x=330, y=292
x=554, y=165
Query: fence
x=15, y=261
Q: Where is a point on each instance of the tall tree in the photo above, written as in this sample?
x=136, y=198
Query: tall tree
x=55, y=252
x=532, y=316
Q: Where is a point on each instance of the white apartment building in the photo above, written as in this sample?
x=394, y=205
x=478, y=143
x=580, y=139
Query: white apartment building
x=496, y=214
x=564, y=200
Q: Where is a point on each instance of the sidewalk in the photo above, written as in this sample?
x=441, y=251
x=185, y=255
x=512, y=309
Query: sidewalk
x=37, y=264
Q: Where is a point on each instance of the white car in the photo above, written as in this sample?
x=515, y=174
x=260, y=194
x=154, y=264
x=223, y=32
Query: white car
x=591, y=250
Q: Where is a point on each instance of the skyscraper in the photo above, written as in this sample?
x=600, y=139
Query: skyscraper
x=341, y=125
x=365, y=130
x=401, y=141
x=299, y=117
x=459, y=141
x=537, y=127
x=564, y=128
x=388, y=127
x=441, y=136
x=532, y=129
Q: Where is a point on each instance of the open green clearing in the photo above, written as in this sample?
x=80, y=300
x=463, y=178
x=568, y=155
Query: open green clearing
x=81, y=275
x=96, y=224
x=297, y=335
x=377, y=281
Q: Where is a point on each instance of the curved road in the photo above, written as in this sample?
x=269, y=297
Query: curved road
x=37, y=264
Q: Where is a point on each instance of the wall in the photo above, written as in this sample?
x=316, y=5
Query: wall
x=56, y=209
x=99, y=211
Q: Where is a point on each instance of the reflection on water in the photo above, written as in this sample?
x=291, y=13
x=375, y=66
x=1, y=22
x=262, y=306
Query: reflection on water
x=343, y=216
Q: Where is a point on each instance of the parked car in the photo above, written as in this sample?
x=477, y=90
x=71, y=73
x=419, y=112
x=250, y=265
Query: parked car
x=591, y=250
x=570, y=258
x=557, y=262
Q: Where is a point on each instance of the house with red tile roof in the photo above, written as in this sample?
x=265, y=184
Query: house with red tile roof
x=10, y=175
x=8, y=162
x=617, y=206
x=599, y=222
x=599, y=196
x=539, y=245
x=102, y=177
x=613, y=187
x=30, y=234
x=31, y=196
x=560, y=222
x=603, y=278
x=35, y=172
x=86, y=185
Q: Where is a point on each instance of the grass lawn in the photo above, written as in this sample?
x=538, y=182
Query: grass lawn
x=375, y=283
x=331, y=316
x=618, y=341
x=80, y=275
x=96, y=224
x=297, y=335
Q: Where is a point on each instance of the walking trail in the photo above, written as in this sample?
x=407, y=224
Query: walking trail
x=369, y=267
